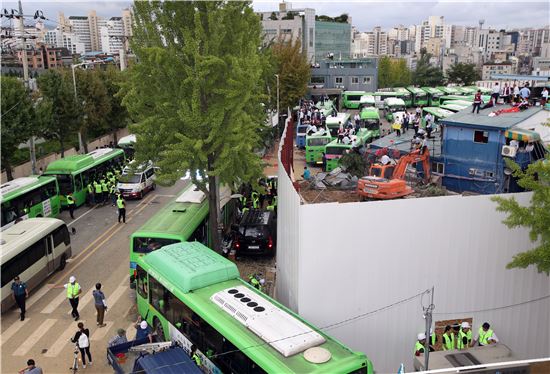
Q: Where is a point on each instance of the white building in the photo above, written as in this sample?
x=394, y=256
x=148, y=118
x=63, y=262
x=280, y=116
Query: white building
x=112, y=35
x=370, y=43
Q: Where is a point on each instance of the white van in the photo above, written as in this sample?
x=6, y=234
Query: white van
x=136, y=182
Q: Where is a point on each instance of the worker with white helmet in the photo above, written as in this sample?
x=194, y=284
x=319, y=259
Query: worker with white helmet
x=420, y=343
x=464, y=336
x=73, y=292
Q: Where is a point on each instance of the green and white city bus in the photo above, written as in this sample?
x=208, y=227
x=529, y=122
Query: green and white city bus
x=449, y=90
x=419, y=96
x=334, y=150
x=367, y=101
x=437, y=114
x=455, y=105
x=193, y=296
x=315, y=146
x=392, y=105
x=351, y=99
x=73, y=173
x=185, y=218
x=370, y=116
x=333, y=123
x=29, y=197
x=433, y=95
x=405, y=95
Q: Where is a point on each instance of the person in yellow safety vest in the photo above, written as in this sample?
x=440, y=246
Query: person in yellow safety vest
x=112, y=192
x=271, y=205
x=464, y=336
x=91, y=196
x=243, y=201
x=98, y=193
x=433, y=340
x=255, y=199
x=448, y=337
x=253, y=278
x=194, y=356
x=104, y=191
x=121, y=204
x=485, y=336
x=71, y=204
x=73, y=292
x=113, y=180
x=420, y=343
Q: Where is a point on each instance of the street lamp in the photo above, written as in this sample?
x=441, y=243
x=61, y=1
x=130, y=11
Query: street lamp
x=278, y=114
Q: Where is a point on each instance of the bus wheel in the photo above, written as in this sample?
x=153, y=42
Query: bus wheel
x=157, y=328
x=62, y=262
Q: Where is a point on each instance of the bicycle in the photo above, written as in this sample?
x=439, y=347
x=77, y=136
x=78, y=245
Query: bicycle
x=74, y=367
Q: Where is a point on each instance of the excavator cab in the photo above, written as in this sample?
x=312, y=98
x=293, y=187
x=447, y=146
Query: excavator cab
x=382, y=171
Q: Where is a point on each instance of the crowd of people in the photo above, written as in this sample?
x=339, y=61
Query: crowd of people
x=513, y=95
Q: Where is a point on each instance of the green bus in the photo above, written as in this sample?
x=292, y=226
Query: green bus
x=484, y=90
x=127, y=143
x=367, y=101
x=405, y=95
x=448, y=90
x=351, y=99
x=315, y=147
x=29, y=197
x=333, y=123
x=325, y=107
x=455, y=105
x=193, y=296
x=184, y=218
x=335, y=150
x=437, y=114
x=419, y=96
x=433, y=95
x=469, y=98
x=73, y=173
x=370, y=116
x=393, y=105
x=469, y=90
x=380, y=96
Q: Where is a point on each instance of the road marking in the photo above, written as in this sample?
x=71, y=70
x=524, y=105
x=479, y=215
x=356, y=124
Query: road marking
x=100, y=332
x=54, y=303
x=84, y=300
x=61, y=342
x=38, y=295
x=12, y=330
x=120, y=290
x=79, y=217
x=34, y=337
x=165, y=195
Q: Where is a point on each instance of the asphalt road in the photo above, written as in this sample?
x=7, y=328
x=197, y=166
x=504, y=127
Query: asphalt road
x=100, y=254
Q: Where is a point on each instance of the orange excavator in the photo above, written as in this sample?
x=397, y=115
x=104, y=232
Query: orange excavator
x=387, y=181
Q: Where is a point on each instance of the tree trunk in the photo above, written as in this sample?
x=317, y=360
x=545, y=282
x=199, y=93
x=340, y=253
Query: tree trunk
x=214, y=210
x=7, y=166
x=85, y=142
x=62, y=145
x=115, y=138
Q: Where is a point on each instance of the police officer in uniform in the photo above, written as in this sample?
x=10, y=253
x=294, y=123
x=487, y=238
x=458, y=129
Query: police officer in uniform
x=90, y=196
x=71, y=204
x=121, y=204
x=98, y=193
x=104, y=191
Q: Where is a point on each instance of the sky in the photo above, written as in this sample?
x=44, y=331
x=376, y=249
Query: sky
x=498, y=14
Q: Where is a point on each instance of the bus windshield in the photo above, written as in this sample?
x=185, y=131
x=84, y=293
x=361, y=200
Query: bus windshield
x=146, y=245
x=65, y=182
x=371, y=124
x=353, y=97
x=336, y=150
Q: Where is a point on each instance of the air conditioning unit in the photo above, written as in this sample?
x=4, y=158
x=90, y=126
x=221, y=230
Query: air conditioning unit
x=508, y=151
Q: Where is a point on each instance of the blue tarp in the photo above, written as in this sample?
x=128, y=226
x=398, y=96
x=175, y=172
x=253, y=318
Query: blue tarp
x=172, y=361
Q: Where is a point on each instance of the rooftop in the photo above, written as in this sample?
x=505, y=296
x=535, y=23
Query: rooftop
x=502, y=121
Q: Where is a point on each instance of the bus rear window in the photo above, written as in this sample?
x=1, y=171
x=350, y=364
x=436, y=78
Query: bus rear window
x=65, y=182
x=336, y=150
x=353, y=97
x=317, y=142
x=146, y=245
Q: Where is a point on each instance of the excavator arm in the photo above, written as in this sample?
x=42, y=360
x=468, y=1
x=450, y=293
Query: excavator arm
x=412, y=158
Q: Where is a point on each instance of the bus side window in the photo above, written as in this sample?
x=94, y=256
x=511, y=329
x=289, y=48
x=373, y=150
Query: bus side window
x=78, y=182
x=61, y=235
x=141, y=277
x=48, y=240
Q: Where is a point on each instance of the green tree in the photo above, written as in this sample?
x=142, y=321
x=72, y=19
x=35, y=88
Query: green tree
x=59, y=113
x=294, y=72
x=461, y=73
x=195, y=93
x=400, y=74
x=117, y=117
x=425, y=74
x=535, y=216
x=17, y=117
x=384, y=72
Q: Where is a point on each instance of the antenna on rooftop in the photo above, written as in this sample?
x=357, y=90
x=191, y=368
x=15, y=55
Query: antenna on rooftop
x=481, y=22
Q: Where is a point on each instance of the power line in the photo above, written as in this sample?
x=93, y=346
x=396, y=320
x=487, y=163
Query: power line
x=498, y=307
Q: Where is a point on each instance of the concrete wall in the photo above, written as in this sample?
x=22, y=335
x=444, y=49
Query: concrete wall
x=337, y=261
x=25, y=169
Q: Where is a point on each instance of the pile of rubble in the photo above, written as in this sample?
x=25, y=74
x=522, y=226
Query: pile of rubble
x=336, y=178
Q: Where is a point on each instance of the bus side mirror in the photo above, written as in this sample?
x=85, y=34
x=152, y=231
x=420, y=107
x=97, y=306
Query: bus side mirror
x=73, y=231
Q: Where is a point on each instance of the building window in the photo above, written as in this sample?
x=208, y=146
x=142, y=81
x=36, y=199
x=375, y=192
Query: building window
x=286, y=31
x=481, y=136
x=311, y=36
x=317, y=80
x=354, y=80
x=438, y=167
x=366, y=80
x=338, y=80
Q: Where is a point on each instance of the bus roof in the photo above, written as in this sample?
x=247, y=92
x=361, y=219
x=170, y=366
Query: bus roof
x=76, y=163
x=432, y=90
x=394, y=101
x=266, y=333
x=370, y=113
x=25, y=233
x=341, y=117
x=416, y=90
x=20, y=186
x=450, y=105
x=367, y=99
x=127, y=140
x=354, y=93
x=438, y=112
x=448, y=90
x=177, y=219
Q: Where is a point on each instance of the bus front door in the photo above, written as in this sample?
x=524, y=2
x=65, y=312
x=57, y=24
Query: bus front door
x=49, y=254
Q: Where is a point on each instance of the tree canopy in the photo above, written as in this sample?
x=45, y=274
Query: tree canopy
x=393, y=72
x=536, y=216
x=425, y=74
x=464, y=74
x=195, y=94
x=17, y=117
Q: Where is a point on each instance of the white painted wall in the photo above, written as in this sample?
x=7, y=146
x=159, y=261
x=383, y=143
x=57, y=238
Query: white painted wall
x=353, y=258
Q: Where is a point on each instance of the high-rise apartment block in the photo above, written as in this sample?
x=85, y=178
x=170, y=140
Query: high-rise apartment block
x=371, y=43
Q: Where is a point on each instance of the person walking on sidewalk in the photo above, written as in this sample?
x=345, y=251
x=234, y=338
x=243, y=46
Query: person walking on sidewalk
x=121, y=204
x=100, y=304
x=82, y=339
x=20, y=294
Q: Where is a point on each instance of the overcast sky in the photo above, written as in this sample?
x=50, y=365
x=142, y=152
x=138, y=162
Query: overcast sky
x=365, y=15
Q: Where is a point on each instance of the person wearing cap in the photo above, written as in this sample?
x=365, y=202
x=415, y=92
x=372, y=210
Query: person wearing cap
x=448, y=338
x=194, y=356
x=20, y=293
x=420, y=343
x=143, y=330
x=73, y=292
x=119, y=338
x=485, y=336
x=31, y=368
x=464, y=336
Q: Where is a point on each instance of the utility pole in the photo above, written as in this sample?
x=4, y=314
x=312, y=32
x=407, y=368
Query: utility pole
x=278, y=113
x=428, y=316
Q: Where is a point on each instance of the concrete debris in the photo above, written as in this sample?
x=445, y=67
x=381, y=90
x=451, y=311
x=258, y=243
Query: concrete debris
x=336, y=178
